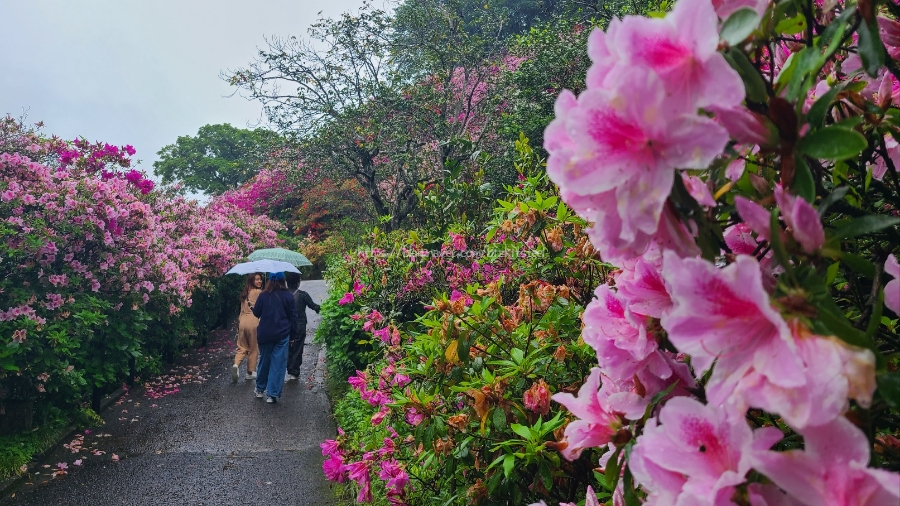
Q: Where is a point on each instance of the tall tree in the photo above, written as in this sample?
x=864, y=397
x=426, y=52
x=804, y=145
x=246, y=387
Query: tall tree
x=218, y=158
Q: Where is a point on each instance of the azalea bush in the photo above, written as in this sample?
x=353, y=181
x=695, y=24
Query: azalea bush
x=99, y=268
x=458, y=393
x=736, y=163
x=399, y=274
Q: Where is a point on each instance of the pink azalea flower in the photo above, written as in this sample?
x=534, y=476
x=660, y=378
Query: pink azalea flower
x=696, y=454
x=833, y=372
x=623, y=348
x=358, y=287
x=359, y=472
x=754, y=215
x=801, y=219
x=623, y=139
x=748, y=127
x=697, y=188
x=682, y=49
x=378, y=417
x=892, y=288
x=606, y=233
x=879, y=168
x=383, y=334
x=725, y=8
x=640, y=283
x=768, y=495
x=831, y=469
x=346, y=299
x=334, y=469
x=725, y=314
x=739, y=239
x=596, y=423
x=413, y=417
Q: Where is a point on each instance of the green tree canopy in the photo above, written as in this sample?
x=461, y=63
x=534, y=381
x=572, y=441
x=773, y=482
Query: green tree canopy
x=218, y=158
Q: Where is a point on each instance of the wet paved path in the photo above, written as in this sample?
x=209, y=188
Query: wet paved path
x=210, y=443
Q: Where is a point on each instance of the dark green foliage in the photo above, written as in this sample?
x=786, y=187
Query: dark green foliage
x=218, y=158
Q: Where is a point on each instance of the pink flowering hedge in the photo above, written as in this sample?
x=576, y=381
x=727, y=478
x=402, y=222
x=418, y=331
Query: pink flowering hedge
x=98, y=268
x=738, y=165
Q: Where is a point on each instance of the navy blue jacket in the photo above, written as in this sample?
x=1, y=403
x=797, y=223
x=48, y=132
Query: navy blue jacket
x=277, y=315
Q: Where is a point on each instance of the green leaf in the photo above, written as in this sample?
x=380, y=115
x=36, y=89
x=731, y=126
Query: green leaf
x=787, y=70
x=791, y=26
x=631, y=498
x=889, y=388
x=858, y=264
x=841, y=327
x=498, y=419
x=521, y=430
x=831, y=273
x=739, y=25
x=545, y=474
x=875, y=319
x=871, y=50
x=832, y=143
x=753, y=82
x=804, y=185
x=834, y=196
x=508, y=463
x=612, y=470
x=863, y=226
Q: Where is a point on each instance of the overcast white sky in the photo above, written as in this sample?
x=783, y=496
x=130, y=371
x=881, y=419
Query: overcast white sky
x=139, y=72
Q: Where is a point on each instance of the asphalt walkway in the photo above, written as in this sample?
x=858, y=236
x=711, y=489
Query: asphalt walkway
x=194, y=438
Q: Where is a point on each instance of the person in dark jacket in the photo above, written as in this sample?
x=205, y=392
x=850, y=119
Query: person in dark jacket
x=277, y=317
x=302, y=300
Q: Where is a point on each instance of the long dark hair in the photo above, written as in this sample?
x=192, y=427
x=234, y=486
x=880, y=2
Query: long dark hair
x=249, y=285
x=275, y=284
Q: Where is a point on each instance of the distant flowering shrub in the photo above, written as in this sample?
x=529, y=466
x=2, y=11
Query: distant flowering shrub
x=91, y=254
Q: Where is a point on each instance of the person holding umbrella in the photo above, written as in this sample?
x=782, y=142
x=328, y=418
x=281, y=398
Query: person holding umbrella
x=247, y=322
x=277, y=315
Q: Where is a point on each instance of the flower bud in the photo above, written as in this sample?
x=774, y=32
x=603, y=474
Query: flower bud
x=747, y=127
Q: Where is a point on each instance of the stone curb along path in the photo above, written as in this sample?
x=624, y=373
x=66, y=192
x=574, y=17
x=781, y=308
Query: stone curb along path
x=192, y=437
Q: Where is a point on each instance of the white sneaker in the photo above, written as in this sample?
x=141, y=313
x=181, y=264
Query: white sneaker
x=259, y=395
x=291, y=377
x=234, y=373
x=271, y=400
x=251, y=376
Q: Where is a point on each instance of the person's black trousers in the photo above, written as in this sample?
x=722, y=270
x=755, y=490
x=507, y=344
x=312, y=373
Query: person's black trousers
x=295, y=353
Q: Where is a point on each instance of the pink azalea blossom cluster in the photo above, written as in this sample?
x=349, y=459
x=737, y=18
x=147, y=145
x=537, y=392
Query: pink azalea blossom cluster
x=102, y=158
x=341, y=465
x=78, y=228
x=708, y=340
x=264, y=192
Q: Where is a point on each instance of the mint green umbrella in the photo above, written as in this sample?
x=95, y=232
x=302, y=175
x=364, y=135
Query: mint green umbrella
x=282, y=255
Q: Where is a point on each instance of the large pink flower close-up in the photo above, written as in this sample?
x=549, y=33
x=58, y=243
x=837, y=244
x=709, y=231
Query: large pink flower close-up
x=682, y=49
x=709, y=449
x=831, y=469
x=622, y=145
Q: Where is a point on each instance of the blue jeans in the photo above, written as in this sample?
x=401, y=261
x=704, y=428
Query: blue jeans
x=272, y=366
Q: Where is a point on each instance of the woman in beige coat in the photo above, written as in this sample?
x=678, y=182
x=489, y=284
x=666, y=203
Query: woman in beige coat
x=246, y=341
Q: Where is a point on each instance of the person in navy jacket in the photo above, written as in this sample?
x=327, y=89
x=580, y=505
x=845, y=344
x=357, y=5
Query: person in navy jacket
x=277, y=315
